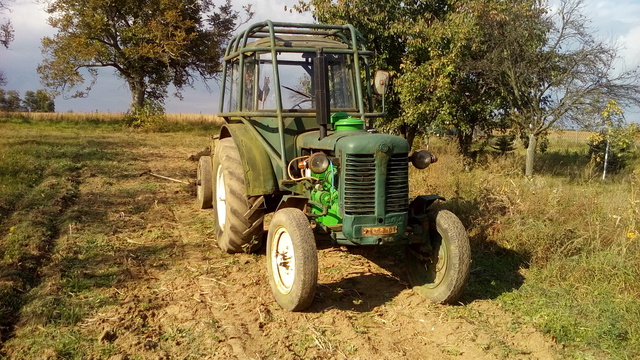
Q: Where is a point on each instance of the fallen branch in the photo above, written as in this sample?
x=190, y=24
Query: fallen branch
x=165, y=177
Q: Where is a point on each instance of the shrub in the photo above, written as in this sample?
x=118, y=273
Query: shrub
x=621, y=147
x=505, y=143
x=151, y=115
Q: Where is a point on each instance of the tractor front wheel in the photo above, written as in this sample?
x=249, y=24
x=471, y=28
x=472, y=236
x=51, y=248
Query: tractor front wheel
x=292, y=260
x=439, y=269
x=238, y=218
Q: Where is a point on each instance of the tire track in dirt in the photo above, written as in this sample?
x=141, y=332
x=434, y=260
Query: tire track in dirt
x=25, y=254
x=209, y=304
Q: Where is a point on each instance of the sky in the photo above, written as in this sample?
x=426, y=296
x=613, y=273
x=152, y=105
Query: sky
x=616, y=21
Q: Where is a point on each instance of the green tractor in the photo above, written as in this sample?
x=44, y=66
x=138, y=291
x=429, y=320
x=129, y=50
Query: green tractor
x=299, y=142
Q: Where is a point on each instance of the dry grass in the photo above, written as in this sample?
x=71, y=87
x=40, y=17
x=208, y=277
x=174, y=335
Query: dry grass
x=116, y=117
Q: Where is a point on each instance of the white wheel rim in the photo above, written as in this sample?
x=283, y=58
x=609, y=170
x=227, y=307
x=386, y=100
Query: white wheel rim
x=283, y=263
x=221, y=198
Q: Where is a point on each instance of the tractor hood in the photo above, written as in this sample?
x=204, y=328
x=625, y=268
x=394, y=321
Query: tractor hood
x=353, y=142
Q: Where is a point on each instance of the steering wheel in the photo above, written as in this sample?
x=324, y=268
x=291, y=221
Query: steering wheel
x=298, y=92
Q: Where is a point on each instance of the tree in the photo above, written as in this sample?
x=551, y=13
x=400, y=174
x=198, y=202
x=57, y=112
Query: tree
x=39, y=101
x=557, y=72
x=612, y=147
x=6, y=36
x=151, y=44
x=444, y=83
x=6, y=28
x=435, y=51
x=10, y=101
x=382, y=24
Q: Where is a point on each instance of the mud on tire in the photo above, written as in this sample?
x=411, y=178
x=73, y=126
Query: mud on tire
x=238, y=218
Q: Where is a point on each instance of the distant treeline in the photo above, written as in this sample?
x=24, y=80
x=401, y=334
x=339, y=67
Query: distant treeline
x=33, y=101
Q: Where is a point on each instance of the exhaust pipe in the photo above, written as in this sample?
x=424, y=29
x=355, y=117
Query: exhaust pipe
x=321, y=78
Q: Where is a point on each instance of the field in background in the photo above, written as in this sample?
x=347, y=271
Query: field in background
x=98, y=259
x=195, y=119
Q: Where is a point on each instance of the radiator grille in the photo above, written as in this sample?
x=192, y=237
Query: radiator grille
x=397, y=184
x=359, y=185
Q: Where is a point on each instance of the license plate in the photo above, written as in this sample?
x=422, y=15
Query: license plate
x=379, y=230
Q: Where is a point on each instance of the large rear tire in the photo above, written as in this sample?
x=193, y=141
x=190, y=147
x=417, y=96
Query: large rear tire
x=238, y=218
x=439, y=270
x=292, y=260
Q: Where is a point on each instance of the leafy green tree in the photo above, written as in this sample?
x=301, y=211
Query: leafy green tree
x=435, y=51
x=38, y=101
x=444, y=83
x=10, y=101
x=382, y=23
x=556, y=71
x=150, y=44
x=6, y=36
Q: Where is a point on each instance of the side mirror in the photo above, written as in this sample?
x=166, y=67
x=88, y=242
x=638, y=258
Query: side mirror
x=381, y=82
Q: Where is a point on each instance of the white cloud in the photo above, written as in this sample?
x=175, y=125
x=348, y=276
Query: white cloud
x=279, y=11
x=625, y=11
x=19, y=62
x=30, y=17
x=631, y=46
x=619, y=20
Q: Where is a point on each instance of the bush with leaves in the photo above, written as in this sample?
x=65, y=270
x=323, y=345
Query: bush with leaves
x=621, y=146
x=149, y=116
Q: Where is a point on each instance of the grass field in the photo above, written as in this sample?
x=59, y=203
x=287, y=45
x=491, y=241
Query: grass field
x=57, y=263
x=560, y=252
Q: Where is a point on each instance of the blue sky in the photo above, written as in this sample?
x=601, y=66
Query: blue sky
x=616, y=21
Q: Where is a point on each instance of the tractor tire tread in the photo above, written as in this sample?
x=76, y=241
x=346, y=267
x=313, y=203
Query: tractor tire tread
x=240, y=231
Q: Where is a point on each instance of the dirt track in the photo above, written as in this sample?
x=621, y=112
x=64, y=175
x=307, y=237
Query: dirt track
x=177, y=296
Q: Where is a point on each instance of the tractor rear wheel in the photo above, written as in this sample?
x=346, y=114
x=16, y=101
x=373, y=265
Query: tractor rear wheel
x=238, y=218
x=439, y=270
x=292, y=260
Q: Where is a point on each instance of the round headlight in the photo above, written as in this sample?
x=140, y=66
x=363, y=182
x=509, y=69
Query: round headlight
x=318, y=162
x=422, y=158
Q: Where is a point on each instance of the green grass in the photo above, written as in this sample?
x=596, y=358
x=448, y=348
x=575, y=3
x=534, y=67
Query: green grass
x=38, y=183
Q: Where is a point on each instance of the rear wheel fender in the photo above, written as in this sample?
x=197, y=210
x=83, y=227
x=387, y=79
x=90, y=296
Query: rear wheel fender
x=258, y=171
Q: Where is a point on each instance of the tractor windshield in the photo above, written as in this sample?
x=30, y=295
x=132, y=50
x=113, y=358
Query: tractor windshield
x=297, y=86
